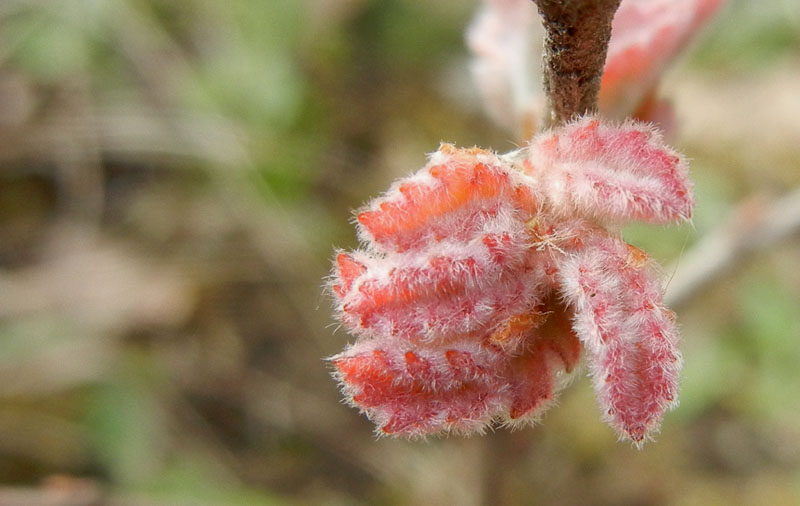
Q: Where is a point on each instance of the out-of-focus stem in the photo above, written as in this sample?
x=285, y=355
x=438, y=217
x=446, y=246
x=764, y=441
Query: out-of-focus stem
x=576, y=42
x=754, y=226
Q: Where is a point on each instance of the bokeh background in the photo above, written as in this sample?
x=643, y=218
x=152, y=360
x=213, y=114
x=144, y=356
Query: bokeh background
x=175, y=175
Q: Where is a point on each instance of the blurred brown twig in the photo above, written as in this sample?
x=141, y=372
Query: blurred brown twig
x=755, y=225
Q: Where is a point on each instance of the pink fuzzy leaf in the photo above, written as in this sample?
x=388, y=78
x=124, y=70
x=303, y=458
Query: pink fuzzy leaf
x=646, y=36
x=455, y=289
x=459, y=386
x=611, y=173
x=506, y=43
x=629, y=335
x=415, y=391
x=450, y=197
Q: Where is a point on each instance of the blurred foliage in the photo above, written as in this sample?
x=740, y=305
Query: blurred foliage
x=174, y=177
x=749, y=35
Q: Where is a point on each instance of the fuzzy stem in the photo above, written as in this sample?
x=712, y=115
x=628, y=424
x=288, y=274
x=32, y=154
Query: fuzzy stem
x=576, y=42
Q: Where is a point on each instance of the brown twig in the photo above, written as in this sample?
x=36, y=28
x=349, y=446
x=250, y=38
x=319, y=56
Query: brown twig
x=576, y=42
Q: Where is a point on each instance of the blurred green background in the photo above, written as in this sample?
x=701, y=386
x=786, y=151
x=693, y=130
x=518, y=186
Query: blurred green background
x=174, y=177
